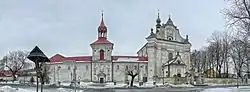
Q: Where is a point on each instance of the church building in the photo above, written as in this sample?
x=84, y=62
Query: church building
x=165, y=54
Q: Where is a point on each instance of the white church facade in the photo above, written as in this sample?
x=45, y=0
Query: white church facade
x=165, y=54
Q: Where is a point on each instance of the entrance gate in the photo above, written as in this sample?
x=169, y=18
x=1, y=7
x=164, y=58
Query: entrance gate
x=101, y=80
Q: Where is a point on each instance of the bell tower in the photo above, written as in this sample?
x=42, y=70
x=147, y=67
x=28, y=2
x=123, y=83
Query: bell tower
x=102, y=48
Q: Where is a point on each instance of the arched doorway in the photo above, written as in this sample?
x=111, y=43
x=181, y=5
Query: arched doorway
x=178, y=75
x=101, y=77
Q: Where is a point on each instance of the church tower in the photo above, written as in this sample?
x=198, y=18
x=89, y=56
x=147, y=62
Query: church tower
x=102, y=48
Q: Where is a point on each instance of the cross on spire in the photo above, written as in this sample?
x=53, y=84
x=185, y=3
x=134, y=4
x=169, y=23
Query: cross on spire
x=102, y=14
x=158, y=20
x=158, y=13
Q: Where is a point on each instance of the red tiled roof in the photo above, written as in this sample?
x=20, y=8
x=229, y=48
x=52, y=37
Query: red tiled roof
x=60, y=58
x=102, y=40
x=140, y=58
x=79, y=58
x=7, y=73
x=57, y=58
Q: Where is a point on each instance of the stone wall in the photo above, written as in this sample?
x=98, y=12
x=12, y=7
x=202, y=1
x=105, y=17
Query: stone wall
x=183, y=80
x=224, y=81
x=172, y=80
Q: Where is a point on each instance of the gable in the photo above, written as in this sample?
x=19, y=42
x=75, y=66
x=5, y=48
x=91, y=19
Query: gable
x=176, y=61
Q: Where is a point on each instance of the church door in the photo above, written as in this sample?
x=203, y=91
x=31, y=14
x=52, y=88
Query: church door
x=101, y=80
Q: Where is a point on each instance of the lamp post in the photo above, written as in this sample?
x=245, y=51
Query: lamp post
x=186, y=75
x=74, y=72
x=162, y=76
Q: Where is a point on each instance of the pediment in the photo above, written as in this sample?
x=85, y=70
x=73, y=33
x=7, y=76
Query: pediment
x=176, y=61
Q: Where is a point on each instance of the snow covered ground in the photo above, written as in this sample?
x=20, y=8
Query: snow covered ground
x=11, y=89
x=111, y=85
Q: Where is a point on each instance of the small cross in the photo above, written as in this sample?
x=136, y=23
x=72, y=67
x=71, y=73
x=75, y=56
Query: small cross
x=158, y=12
x=102, y=13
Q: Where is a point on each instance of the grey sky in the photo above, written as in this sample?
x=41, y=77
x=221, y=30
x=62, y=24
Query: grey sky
x=69, y=26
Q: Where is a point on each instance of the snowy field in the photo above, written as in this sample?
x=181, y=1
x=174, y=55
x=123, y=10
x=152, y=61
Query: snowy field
x=31, y=89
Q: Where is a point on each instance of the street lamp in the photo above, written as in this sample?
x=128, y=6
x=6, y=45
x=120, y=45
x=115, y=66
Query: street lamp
x=163, y=76
x=39, y=58
x=186, y=75
x=74, y=74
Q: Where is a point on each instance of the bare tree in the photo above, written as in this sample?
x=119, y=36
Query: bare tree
x=132, y=71
x=226, y=40
x=210, y=58
x=215, y=42
x=2, y=64
x=198, y=60
x=218, y=50
x=238, y=54
x=15, y=61
x=238, y=14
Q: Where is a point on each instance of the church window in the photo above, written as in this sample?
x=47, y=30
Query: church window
x=170, y=56
x=178, y=62
x=68, y=67
x=141, y=66
x=59, y=67
x=87, y=67
x=101, y=55
x=117, y=67
x=108, y=78
x=94, y=70
x=126, y=67
x=178, y=70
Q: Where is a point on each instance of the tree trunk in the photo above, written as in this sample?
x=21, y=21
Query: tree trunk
x=219, y=71
x=132, y=80
x=42, y=82
x=227, y=70
x=14, y=76
x=37, y=82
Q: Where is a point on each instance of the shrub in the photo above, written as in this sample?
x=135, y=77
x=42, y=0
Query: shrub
x=32, y=80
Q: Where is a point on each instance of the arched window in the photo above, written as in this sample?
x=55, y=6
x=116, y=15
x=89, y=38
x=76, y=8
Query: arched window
x=101, y=55
x=170, y=38
x=170, y=56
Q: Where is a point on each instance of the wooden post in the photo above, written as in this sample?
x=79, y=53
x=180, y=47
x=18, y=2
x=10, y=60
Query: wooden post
x=37, y=83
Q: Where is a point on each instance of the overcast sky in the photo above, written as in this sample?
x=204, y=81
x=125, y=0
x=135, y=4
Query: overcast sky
x=69, y=26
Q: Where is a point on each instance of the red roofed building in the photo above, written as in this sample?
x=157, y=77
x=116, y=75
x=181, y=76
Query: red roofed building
x=102, y=66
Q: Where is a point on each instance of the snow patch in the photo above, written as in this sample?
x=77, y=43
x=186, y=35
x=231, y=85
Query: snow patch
x=10, y=89
x=219, y=90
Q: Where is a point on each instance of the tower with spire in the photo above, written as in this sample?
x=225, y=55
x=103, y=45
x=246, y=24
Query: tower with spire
x=158, y=22
x=102, y=48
